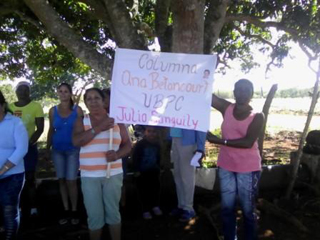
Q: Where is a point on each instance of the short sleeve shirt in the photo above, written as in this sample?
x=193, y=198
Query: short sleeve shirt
x=28, y=114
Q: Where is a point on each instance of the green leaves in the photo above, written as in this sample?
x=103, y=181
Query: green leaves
x=28, y=49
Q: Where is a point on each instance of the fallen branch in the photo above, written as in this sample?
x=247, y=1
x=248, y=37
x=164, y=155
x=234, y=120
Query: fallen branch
x=270, y=208
x=310, y=187
x=311, y=202
x=207, y=213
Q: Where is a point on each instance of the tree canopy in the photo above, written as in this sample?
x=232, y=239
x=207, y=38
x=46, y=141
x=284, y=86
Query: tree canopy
x=49, y=41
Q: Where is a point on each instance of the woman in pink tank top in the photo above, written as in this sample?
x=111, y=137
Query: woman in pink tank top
x=239, y=159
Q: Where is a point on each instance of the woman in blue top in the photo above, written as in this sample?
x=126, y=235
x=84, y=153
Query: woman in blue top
x=13, y=147
x=64, y=155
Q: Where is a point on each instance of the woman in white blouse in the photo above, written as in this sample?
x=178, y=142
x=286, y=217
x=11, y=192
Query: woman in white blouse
x=13, y=147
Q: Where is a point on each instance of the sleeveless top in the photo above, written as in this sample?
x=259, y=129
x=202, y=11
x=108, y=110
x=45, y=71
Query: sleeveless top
x=63, y=128
x=238, y=159
x=93, y=162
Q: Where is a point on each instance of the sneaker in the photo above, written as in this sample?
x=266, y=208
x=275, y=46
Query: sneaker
x=177, y=212
x=74, y=218
x=157, y=211
x=64, y=218
x=187, y=216
x=147, y=215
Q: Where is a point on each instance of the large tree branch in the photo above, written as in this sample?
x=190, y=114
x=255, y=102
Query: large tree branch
x=259, y=37
x=215, y=20
x=5, y=11
x=161, y=24
x=278, y=25
x=311, y=57
x=30, y=20
x=99, y=11
x=60, y=30
x=126, y=33
x=9, y=6
x=263, y=24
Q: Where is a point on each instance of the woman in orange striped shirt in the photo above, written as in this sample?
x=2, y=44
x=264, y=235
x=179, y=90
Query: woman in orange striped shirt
x=101, y=165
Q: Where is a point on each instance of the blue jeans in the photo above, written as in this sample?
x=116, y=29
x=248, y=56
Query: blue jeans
x=243, y=186
x=10, y=189
x=66, y=163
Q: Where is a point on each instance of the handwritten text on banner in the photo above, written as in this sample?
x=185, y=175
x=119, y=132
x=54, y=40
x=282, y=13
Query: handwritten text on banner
x=164, y=89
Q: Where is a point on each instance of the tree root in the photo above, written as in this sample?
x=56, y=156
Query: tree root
x=270, y=208
x=312, y=188
x=207, y=213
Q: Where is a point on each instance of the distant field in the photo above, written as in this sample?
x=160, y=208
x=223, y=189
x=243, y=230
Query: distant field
x=285, y=114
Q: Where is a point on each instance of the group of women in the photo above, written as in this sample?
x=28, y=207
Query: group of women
x=94, y=144
x=91, y=142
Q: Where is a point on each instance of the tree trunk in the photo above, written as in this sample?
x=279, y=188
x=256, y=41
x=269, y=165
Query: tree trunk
x=265, y=111
x=296, y=163
x=215, y=20
x=188, y=26
x=126, y=33
x=187, y=37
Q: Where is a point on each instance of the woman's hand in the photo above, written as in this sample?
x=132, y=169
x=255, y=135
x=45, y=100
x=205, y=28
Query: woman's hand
x=105, y=124
x=111, y=156
x=213, y=138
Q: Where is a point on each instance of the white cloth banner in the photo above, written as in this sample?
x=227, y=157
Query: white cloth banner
x=163, y=89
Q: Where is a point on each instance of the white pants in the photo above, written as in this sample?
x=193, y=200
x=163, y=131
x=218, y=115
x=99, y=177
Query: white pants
x=184, y=173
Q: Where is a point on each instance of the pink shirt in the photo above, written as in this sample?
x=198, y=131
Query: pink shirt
x=238, y=159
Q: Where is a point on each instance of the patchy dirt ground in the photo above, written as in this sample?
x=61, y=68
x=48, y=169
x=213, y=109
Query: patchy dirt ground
x=299, y=221
x=277, y=147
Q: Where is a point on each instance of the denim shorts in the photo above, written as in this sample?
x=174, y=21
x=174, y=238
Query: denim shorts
x=101, y=198
x=66, y=163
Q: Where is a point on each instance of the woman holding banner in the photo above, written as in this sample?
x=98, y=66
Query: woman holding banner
x=103, y=144
x=239, y=159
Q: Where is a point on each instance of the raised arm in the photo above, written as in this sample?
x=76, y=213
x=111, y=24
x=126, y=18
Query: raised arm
x=219, y=103
x=253, y=132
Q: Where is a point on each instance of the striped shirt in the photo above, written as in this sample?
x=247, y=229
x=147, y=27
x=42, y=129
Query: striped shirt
x=93, y=162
